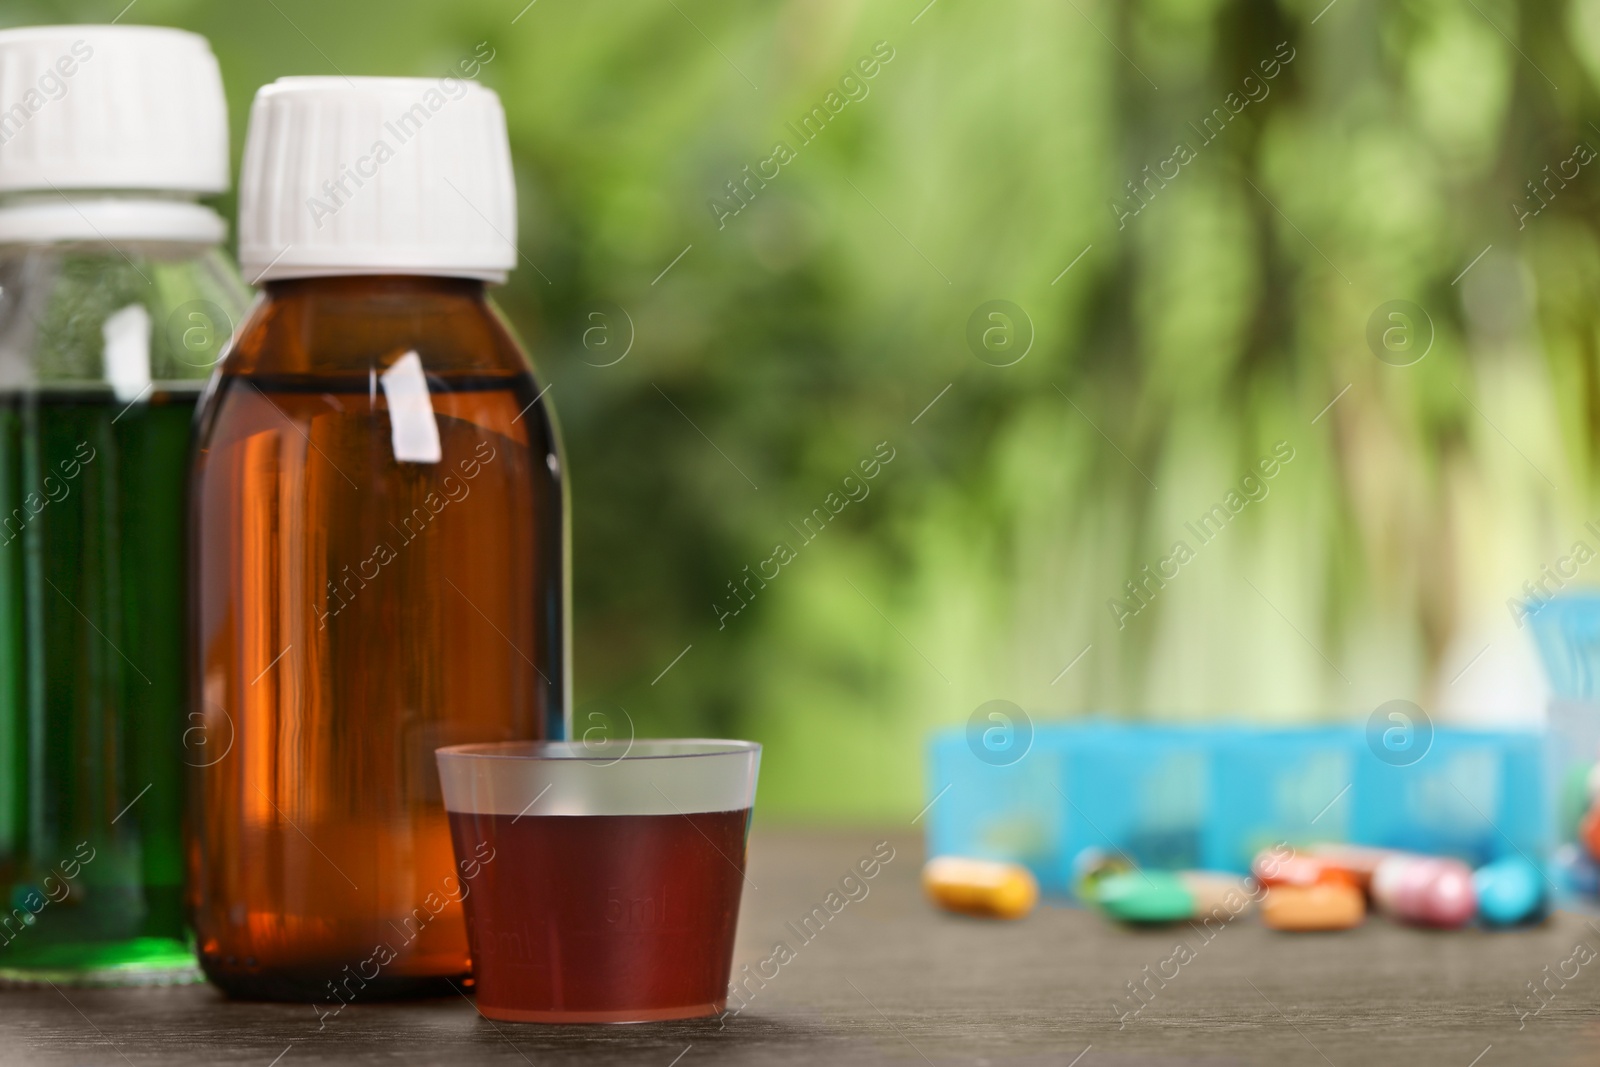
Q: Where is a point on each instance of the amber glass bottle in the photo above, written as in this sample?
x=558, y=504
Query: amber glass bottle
x=378, y=570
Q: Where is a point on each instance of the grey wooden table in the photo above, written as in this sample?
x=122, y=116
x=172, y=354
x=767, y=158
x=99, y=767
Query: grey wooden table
x=889, y=980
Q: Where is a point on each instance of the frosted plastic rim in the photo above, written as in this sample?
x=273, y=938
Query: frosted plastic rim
x=110, y=219
x=261, y=264
x=540, y=778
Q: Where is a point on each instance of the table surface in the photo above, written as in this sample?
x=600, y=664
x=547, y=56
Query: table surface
x=890, y=980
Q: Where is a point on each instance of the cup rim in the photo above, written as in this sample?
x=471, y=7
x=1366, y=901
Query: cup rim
x=563, y=751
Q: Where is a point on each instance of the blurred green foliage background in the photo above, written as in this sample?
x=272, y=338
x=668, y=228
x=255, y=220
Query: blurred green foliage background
x=774, y=349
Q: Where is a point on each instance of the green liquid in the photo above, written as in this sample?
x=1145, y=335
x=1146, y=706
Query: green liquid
x=93, y=701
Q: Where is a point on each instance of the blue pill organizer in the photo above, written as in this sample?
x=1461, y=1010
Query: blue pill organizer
x=1211, y=797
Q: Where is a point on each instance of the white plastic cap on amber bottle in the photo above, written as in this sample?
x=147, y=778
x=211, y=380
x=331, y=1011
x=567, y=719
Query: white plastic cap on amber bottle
x=377, y=176
x=92, y=110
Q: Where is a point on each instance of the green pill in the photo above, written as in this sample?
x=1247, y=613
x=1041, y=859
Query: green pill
x=1145, y=897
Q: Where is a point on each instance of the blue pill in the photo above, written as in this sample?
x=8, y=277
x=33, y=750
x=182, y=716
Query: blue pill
x=1509, y=891
x=1574, y=873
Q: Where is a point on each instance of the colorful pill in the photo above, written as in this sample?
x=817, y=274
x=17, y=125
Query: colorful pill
x=1509, y=891
x=1574, y=798
x=1355, y=862
x=1574, y=872
x=1277, y=867
x=1090, y=867
x=1589, y=832
x=1425, y=890
x=1321, y=906
x=1145, y=897
x=1216, y=894
x=983, y=888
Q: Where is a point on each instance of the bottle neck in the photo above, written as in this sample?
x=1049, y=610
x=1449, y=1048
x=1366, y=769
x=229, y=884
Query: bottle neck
x=384, y=287
x=347, y=326
x=108, y=217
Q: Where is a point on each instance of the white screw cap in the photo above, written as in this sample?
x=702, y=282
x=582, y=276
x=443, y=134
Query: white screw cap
x=377, y=176
x=111, y=108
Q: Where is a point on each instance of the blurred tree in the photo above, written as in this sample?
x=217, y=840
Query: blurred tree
x=1181, y=326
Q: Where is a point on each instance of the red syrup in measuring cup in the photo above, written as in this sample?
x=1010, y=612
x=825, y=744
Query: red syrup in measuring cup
x=602, y=918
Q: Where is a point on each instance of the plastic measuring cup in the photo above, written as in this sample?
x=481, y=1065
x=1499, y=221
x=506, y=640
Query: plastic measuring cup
x=600, y=890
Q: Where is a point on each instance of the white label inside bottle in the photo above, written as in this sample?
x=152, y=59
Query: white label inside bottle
x=413, y=430
x=126, y=360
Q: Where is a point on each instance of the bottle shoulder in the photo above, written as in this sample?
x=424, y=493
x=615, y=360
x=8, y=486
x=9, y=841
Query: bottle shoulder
x=85, y=314
x=336, y=328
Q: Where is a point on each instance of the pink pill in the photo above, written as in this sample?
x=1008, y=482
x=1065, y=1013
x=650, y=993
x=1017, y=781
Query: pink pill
x=1425, y=890
x=1452, y=901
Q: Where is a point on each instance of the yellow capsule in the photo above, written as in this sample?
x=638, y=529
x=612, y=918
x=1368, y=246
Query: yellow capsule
x=1323, y=906
x=980, y=887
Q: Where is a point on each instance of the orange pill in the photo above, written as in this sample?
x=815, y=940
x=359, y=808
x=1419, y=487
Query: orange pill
x=1355, y=861
x=1321, y=906
x=1589, y=831
x=980, y=887
x=1274, y=868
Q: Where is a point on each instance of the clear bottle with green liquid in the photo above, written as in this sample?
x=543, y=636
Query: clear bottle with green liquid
x=116, y=301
